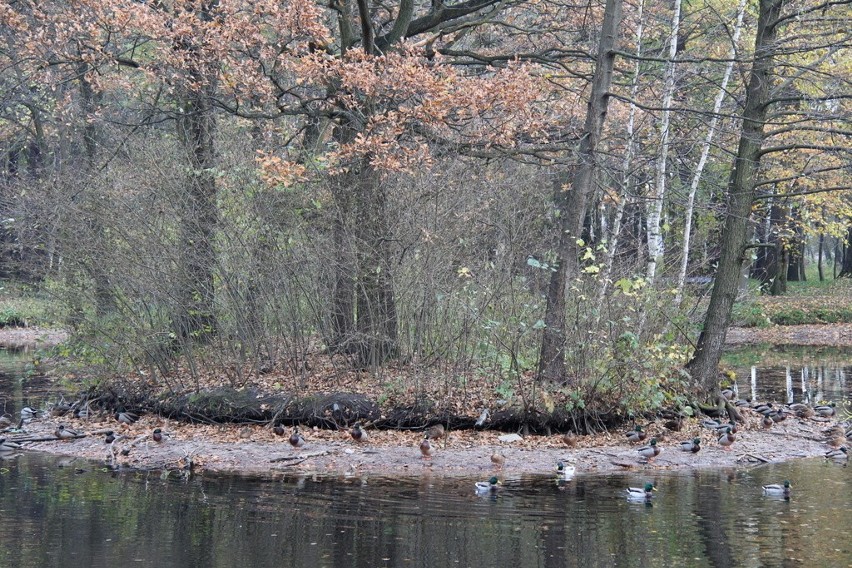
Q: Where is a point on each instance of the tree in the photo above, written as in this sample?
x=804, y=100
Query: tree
x=571, y=195
x=772, y=91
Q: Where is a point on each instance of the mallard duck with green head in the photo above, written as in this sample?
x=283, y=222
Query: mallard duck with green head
x=636, y=435
x=157, y=435
x=777, y=490
x=767, y=422
x=64, y=433
x=485, y=487
x=638, y=493
x=565, y=471
x=693, y=445
x=727, y=439
x=650, y=451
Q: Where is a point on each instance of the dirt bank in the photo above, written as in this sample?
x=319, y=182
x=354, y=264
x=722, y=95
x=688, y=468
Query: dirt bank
x=30, y=337
x=256, y=450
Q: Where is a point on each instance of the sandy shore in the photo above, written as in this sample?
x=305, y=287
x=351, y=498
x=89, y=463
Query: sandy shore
x=256, y=451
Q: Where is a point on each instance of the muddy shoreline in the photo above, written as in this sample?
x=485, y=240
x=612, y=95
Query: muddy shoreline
x=256, y=451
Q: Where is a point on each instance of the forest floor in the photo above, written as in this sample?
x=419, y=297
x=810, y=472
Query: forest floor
x=253, y=449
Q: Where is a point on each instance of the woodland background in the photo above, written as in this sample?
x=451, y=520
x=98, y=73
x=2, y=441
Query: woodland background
x=483, y=190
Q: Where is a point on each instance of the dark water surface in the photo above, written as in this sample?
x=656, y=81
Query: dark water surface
x=54, y=514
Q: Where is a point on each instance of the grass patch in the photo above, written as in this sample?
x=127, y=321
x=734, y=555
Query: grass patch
x=23, y=306
x=809, y=302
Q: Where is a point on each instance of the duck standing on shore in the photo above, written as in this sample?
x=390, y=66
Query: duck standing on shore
x=826, y=410
x=693, y=445
x=125, y=417
x=727, y=439
x=359, y=434
x=296, y=439
x=426, y=449
x=64, y=433
x=650, y=451
x=636, y=435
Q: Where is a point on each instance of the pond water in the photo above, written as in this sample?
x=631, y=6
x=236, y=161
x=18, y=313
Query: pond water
x=60, y=512
x=792, y=374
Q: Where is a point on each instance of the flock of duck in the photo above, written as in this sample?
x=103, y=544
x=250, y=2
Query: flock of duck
x=837, y=436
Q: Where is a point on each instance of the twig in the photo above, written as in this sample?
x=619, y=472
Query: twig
x=301, y=457
x=757, y=457
x=50, y=439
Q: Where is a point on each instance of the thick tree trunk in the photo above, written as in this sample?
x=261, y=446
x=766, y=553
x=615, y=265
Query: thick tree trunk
x=95, y=267
x=196, y=126
x=846, y=265
x=775, y=283
x=375, y=306
x=704, y=365
x=571, y=195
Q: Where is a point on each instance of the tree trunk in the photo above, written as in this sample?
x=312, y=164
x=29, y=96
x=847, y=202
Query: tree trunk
x=94, y=264
x=819, y=257
x=375, y=306
x=846, y=265
x=775, y=283
x=704, y=364
x=705, y=152
x=656, y=244
x=571, y=195
x=627, y=181
x=196, y=127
